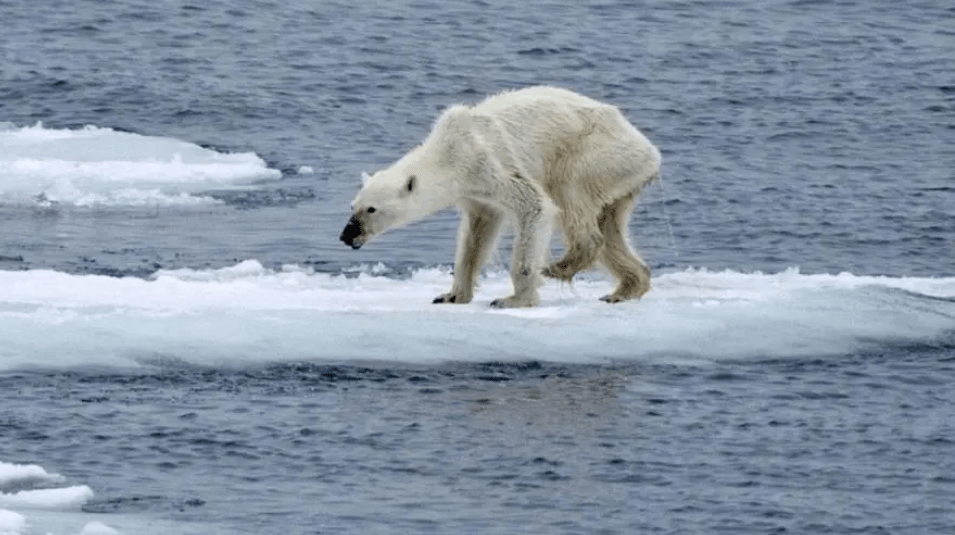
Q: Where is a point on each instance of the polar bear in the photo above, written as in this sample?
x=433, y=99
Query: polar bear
x=527, y=156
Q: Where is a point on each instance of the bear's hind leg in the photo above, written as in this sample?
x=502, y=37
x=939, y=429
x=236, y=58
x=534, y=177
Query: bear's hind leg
x=478, y=232
x=584, y=242
x=632, y=274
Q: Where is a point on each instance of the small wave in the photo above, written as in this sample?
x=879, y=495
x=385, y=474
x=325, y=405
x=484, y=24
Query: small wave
x=546, y=51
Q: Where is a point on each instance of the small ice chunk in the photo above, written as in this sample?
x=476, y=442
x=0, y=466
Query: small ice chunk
x=98, y=528
x=61, y=498
x=11, y=523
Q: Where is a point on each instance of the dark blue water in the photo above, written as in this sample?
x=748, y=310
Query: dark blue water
x=862, y=445
x=794, y=133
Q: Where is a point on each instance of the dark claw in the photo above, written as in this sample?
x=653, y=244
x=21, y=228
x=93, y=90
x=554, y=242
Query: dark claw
x=443, y=299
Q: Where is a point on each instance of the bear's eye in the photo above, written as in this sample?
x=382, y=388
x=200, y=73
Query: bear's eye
x=370, y=210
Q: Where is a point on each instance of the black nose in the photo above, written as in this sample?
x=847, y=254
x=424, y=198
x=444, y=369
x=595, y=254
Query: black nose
x=351, y=231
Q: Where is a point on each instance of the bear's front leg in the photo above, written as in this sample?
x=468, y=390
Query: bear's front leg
x=479, y=228
x=525, y=290
x=533, y=236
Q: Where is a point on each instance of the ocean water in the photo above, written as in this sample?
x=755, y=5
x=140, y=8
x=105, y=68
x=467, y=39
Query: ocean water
x=186, y=347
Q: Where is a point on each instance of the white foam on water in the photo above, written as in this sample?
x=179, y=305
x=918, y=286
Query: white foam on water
x=95, y=166
x=249, y=314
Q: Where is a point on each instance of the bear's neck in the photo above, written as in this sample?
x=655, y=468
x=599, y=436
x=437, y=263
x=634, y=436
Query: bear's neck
x=440, y=197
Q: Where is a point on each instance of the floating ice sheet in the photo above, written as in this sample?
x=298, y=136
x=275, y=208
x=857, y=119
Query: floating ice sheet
x=249, y=314
x=100, y=166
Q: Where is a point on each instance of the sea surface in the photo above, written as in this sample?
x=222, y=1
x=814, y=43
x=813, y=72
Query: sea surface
x=186, y=347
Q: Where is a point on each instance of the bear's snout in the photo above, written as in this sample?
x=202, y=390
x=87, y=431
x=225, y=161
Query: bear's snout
x=351, y=231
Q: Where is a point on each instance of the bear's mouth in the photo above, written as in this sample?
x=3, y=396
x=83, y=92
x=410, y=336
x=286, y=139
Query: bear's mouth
x=352, y=234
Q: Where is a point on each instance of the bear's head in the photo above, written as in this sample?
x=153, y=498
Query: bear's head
x=382, y=203
x=424, y=181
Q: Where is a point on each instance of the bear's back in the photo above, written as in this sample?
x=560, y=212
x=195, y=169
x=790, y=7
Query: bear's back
x=509, y=102
x=546, y=124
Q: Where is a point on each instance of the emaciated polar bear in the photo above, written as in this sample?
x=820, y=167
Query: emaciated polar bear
x=530, y=154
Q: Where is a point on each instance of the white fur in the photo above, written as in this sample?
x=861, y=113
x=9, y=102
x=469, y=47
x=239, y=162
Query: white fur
x=531, y=154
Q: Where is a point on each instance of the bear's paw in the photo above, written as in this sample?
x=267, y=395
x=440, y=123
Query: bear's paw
x=453, y=298
x=560, y=271
x=613, y=298
x=513, y=302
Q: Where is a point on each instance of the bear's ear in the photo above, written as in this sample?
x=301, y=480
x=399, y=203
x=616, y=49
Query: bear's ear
x=365, y=177
x=410, y=185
